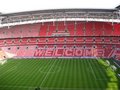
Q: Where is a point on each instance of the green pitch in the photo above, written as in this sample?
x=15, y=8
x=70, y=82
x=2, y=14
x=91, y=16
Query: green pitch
x=58, y=74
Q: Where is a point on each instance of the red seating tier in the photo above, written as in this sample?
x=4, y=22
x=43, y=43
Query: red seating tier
x=63, y=50
x=70, y=28
x=68, y=40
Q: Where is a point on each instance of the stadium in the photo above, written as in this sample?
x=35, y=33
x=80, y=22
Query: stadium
x=60, y=49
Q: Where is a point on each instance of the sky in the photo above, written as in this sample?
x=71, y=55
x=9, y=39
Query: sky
x=11, y=6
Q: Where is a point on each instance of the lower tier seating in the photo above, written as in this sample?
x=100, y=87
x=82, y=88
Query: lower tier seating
x=60, y=40
x=42, y=51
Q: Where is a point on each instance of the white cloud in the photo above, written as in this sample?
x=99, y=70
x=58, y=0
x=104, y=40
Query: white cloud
x=7, y=6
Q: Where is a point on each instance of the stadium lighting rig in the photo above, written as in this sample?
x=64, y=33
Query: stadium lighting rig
x=102, y=15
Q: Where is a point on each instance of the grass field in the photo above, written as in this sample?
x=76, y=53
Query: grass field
x=58, y=74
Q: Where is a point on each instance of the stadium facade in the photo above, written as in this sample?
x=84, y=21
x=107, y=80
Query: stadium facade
x=58, y=33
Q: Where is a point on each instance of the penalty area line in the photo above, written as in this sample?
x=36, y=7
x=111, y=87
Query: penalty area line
x=47, y=73
x=92, y=70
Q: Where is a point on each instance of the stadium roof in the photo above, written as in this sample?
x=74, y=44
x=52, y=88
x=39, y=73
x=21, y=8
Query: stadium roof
x=11, y=6
x=58, y=10
x=86, y=13
x=103, y=15
x=118, y=7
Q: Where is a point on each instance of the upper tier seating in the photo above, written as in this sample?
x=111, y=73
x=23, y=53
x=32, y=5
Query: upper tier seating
x=71, y=28
x=98, y=29
x=108, y=29
x=116, y=30
x=89, y=29
x=51, y=29
x=31, y=30
x=80, y=26
x=43, y=30
x=61, y=29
